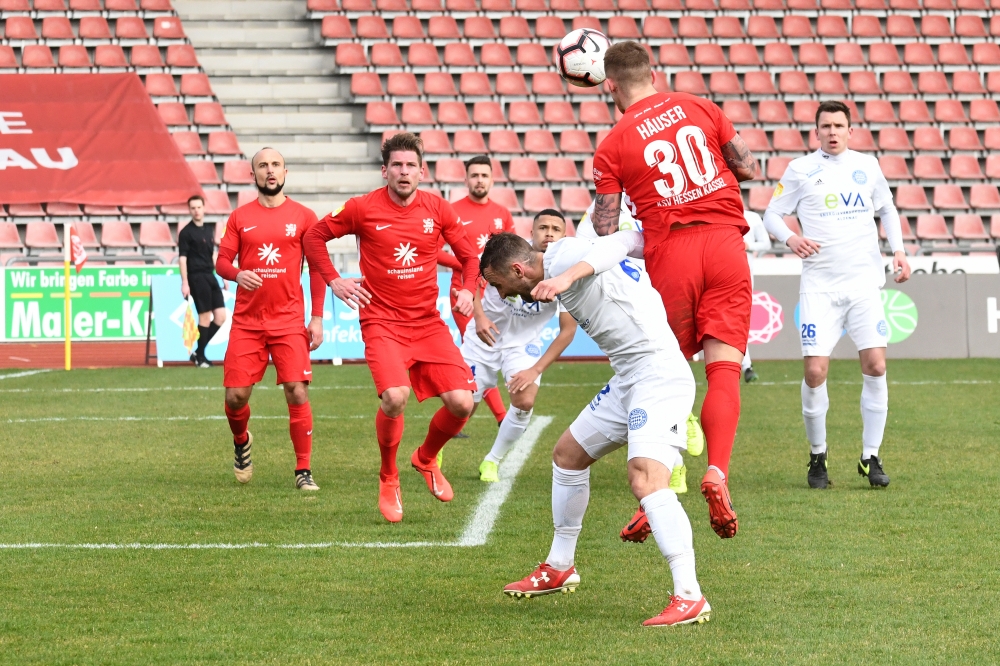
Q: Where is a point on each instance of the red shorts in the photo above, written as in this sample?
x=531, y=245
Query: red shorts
x=247, y=353
x=423, y=356
x=703, y=277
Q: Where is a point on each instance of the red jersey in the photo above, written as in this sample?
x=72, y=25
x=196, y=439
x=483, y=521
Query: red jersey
x=399, y=247
x=665, y=155
x=480, y=221
x=268, y=241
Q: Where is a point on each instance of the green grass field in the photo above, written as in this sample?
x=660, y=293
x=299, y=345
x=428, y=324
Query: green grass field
x=905, y=575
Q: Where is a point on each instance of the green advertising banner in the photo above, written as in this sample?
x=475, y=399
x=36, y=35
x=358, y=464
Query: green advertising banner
x=109, y=303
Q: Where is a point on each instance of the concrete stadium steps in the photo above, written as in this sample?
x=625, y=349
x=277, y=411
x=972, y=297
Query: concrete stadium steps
x=279, y=88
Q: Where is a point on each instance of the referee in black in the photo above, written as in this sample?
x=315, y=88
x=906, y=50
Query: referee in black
x=196, y=247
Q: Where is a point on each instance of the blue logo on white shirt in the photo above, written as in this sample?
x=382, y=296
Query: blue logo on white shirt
x=631, y=269
x=882, y=328
x=636, y=419
x=859, y=177
x=533, y=350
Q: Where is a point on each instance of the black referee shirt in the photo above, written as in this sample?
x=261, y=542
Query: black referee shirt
x=197, y=244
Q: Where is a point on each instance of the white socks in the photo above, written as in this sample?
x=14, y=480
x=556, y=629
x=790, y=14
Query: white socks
x=815, y=404
x=672, y=531
x=511, y=428
x=874, y=410
x=570, y=495
x=746, y=360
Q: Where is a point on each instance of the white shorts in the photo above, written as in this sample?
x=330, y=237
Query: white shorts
x=648, y=411
x=824, y=317
x=485, y=362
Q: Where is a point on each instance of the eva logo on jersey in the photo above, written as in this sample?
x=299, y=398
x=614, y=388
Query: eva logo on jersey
x=849, y=199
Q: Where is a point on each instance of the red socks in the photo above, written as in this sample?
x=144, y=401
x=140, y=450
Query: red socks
x=495, y=403
x=720, y=413
x=238, y=421
x=443, y=427
x=389, y=432
x=300, y=427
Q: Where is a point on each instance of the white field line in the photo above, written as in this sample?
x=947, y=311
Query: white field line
x=26, y=373
x=213, y=417
x=220, y=389
x=476, y=532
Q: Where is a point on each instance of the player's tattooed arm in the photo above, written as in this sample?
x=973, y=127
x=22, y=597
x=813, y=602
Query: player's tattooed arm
x=606, y=211
x=740, y=160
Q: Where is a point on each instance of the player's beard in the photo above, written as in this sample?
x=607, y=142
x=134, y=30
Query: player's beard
x=480, y=191
x=269, y=191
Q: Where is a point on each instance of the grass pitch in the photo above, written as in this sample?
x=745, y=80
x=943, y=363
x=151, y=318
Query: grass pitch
x=904, y=575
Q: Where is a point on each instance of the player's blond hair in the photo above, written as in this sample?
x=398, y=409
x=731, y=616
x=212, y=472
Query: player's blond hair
x=404, y=141
x=627, y=64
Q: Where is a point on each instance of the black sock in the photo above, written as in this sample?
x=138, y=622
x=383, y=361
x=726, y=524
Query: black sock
x=213, y=328
x=204, y=335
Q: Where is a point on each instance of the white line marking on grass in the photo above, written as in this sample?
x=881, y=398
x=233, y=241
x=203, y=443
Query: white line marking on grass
x=476, y=532
x=213, y=417
x=154, y=389
x=481, y=523
x=26, y=373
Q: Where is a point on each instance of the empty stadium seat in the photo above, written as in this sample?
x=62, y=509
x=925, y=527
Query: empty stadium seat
x=180, y=55
x=964, y=138
x=167, y=27
x=173, y=114
x=561, y=170
x=41, y=235
x=759, y=83
x=196, y=85
x=436, y=84
x=513, y=84
x=449, y=171
x=537, y=199
x=189, y=143
x=953, y=54
x=928, y=138
x=217, y=203
x=74, y=56
x=436, y=141
x=932, y=227
x=204, y=171
x=503, y=141
x=9, y=238
x=848, y=54
x=911, y=197
x=950, y=111
x=880, y=112
x=899, y=83
x=755, y=139
x=993, y=167
x=94, y=30
x=117, y=235
x=223, y=143
x=928, y=167
x=883, y=54
x=914, y=111
x=969, y=227
x=237, y=172
x=472, y=142
x=142, y=56
x=37, y=56
x=130, y=27
x=155, y=234
x=575, y=141
x=524, y=170
x=760, y=196
x=540, y=142
x=949, y=197
x=794, y=82
x=814, y=55
x=738, y=111
x=894, y=167
x=776, y=167
x=861, y=140
x=985, y=196
x=965, y=167
x=831, y=26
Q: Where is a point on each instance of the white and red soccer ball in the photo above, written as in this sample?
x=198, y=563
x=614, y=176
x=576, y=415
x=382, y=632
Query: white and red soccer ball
x=580, y=57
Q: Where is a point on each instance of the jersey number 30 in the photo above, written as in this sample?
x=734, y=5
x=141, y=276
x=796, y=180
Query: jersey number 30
x=692, y=145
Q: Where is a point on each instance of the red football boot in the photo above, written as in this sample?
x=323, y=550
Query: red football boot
x=544, y=580
x=389, y=500
x=637, y=529
x=721, y=513
x=681, y=611
x=436, y=483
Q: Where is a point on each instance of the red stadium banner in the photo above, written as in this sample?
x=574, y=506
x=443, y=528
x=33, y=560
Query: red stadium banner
x=87, y=139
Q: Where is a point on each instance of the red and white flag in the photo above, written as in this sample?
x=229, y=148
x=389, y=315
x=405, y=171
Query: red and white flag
x=79, y=254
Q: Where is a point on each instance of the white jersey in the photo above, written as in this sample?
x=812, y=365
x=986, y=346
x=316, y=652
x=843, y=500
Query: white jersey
x=835, y=197
x=617, y=308
x=756, y=239
x=585, y=229
x=519, y=323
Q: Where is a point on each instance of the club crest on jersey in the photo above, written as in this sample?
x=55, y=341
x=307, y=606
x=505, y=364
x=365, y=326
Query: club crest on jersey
x=882, y=328
x=406, y=254
x=860, y=177
x=636, y=418
x=598, y=174
x=533, y=350
x=497, y=223
x=428, y=225
x=290, y=229
x=268, y=254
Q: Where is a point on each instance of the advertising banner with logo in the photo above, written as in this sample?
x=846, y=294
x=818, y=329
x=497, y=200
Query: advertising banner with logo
x=178, y=328
x=87, y=139
x=108, y=303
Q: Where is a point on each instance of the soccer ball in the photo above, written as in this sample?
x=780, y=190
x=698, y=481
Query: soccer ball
x=580, y=56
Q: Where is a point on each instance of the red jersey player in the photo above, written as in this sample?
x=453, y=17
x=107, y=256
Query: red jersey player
x=481, y=218
x=269, y=319
x=678, y=161
x=407, y=343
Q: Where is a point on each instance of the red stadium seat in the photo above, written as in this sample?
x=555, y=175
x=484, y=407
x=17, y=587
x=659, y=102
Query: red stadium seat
x=436, y=84
x=992, y=167
x=995, y=226
x=407, y=28
x=866, y=26
x=986, y=53
x=965, y=167
x=167, y=27
x=755, y=139
x=708, y=55
x=57, y=28
x=351, y=55
x=795, y=26
x=209, y=113
x=830, y=83
x=928, y=167
x=936, y=25
x=788, y=140
x=381, y=113
x=950, y=111
x=461, y=5
x=95, y=28
x=419, y=113
x=117, y=234
x=7, y=58
x=862, y=141
x=63, y=210
x=813, y=54
x=964, y=138
x=911, y=197
x=173, y=114
x=21, y=5
x=9, y=238
x=894, y=167
x=449, y=171
x=759, y=83
x=591, y=22
x=727, y=27
x=776, y=167
x=738, y=111
x=675, y=55
x=436, y=142
x=948, y=197
x=459, y=55
x=933, y=83
x=724, y=83
x=760, y=196
x=524, y=170
x=155, y=5
x=953, y=54
x=144, y=55
x=479, y=27
x=36, y=56
x=368, y=84
x=532, y=55
x=919, y=54
x=385, y=55
x=657, y=27
x=898, y=83
x=540, y=142
x=514, y=27
x=20, y=28
x=914, y=111
x=488, y=113
x=506, y=196
x=223, y=143
x=121, y=5
x=993, y=81
x=773, y=112
x=157, y=85
x=778, y=54
x=523, y=113
x=741, y=55
x=984, y=111
x=804, y=111
x=547, y=84
x=863, y=82
x=370, y=27
x=968, y=83
x=204, y=171
x=422, y=55
x=984, y=197
x=762, y=27
x=928, y=138
x=595, y=113
x=571, y=200
x=155, y=233
x=74, y=56
x=969, y=25
x=970, y=227
x=496, y=55
x=690, y=82
x=549, y=27
x=792, y=82
x=578, y=141
x=561, y=170
x=180, y=55
x=932, y=227
x=504, y=141
x=217, y=203
x=189, y=143
x=900, y=26
x=196, y=85
x=110, y=56
x=623, y=27
x=537, y=199
x=884, y=55
x=41, y=235
x=692, y=27
x=894, y=139
x=832, y=27
x=879, y=112
x=848, y=54
x=85, y=5
x=512, y=84
x=471, y=141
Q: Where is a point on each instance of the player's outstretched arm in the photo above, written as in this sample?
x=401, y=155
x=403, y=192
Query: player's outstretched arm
x=567, y=329
x=607, y=208
x=740, y=160
x=602, y=254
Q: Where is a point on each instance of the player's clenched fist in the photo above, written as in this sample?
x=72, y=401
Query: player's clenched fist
x=249, y=280
x=463, y=302
x=547, y=290
x=803, y=247
x=900, y=265
x=351, y=292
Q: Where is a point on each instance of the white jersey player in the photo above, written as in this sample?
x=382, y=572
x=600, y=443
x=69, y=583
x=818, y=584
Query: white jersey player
x=643, y=407
x=505, y=336
x=756, y=241
x=836, y=193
